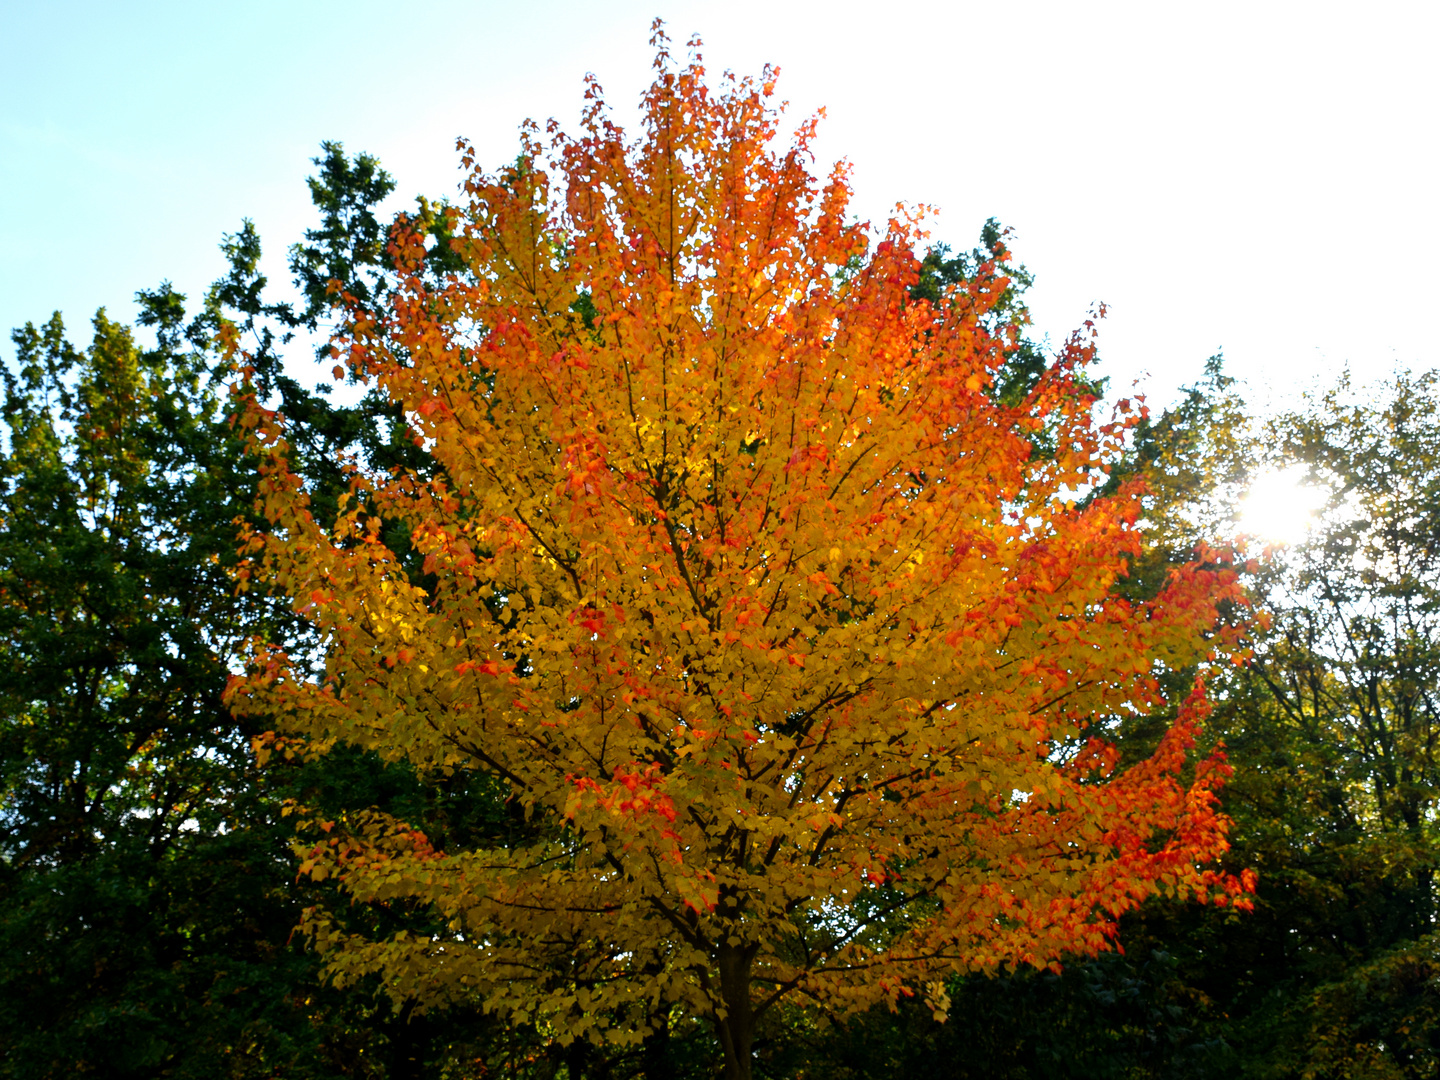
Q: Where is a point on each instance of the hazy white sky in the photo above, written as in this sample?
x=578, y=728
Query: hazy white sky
x=1255, y=177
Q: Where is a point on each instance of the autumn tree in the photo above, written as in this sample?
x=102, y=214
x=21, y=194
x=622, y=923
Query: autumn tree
x=779, y=641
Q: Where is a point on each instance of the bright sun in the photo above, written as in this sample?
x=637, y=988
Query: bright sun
x=1279, y=506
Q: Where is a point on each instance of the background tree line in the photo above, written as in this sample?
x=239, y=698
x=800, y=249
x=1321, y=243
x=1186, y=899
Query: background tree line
x=148, y=892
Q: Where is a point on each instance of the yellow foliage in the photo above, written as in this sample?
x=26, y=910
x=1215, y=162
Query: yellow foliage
x=744, y=589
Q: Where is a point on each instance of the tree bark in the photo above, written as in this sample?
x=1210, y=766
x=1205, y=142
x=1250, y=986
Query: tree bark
x=737, y=1029
x=574, y=1057
x=655, y=1060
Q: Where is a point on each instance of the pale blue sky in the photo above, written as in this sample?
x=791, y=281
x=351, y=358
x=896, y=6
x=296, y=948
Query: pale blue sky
x=1254, y=176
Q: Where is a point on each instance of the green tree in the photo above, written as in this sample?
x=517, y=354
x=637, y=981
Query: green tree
x=147, y=893
x=141, y=909
x=1347, y=724
x=942, y=270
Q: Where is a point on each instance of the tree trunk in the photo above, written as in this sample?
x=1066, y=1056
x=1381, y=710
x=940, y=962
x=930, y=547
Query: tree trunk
x=737, y=1030
x=407, y=1050
x=655, y=1060
x=574, y=1057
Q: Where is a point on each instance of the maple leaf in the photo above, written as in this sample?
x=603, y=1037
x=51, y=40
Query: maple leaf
x=774, y=623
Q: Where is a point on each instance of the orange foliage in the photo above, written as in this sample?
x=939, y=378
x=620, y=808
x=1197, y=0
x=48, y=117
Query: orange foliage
x=786, y=641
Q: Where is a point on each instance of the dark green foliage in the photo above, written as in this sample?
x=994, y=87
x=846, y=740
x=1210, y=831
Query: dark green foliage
x=144, y=912
x=147, y=887
x=1117, y=1016
x=1028, y=359
x=1337, y=770
x=349, y=246
x=345, y=255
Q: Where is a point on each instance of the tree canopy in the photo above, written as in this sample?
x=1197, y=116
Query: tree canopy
x=766, y=618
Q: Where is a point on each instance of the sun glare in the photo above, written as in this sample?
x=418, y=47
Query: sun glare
x=1280, y=506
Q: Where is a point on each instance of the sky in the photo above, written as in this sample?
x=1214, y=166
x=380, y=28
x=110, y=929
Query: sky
x=1256, y=178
